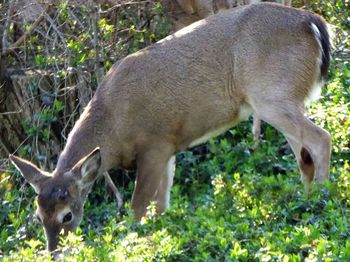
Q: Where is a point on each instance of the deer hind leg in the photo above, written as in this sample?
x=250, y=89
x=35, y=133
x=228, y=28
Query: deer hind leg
x=151, y=181
x=310, y=143
x=305, y=162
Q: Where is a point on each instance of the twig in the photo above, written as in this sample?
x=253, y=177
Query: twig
x=52, y=24
x=136, y=30
x=4, y=147
x=93, y=22
x=76, y=18
x=112, y=186
x=6, y=26
x=21, y=108
x=122, y=5
x=29, y=32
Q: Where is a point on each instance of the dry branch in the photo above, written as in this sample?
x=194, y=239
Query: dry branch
x=29, y=32
x=123, y=5
x=112, y=186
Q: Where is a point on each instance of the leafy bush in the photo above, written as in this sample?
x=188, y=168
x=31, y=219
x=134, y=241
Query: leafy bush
x=232, y=201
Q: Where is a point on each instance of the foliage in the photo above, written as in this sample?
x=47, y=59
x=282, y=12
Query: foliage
x=69, y=51
x=232, y=201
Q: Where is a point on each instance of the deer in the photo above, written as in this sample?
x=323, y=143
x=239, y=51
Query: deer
x=264, y=59
x=194, y=10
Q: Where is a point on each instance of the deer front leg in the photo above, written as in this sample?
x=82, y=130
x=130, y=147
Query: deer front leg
x=163, y=193
x=152, y=181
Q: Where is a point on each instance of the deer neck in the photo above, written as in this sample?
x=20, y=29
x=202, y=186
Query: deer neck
x=88, y=133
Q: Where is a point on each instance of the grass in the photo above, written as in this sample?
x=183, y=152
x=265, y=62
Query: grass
x=228, y=204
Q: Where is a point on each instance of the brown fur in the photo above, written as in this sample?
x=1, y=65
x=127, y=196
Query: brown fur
x=190, y=86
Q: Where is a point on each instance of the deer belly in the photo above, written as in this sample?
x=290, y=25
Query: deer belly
x=244, y=112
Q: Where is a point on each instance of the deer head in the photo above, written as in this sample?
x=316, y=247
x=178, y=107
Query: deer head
x=60, y=196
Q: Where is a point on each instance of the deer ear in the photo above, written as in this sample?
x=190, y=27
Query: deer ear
x=88, y=168
x=29, y=171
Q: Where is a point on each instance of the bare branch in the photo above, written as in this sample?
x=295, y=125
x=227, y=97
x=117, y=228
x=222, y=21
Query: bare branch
x=93, y=22
x=123, y=5
x=112, y=186
x=29, y=32
x=6, y=27
x=4, y=147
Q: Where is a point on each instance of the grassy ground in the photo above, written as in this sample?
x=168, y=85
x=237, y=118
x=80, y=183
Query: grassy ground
x=230, y=202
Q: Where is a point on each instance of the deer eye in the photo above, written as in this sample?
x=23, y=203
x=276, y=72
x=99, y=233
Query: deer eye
x=67, y=218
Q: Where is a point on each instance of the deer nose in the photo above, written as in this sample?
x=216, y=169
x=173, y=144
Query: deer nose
x=52, y=244
x=52, y=236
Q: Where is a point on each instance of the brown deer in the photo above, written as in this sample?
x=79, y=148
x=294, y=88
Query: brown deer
x=265, y=59
x=194, y=10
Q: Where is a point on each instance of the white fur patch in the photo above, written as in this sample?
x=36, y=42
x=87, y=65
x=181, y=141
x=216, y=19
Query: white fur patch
x=170, y=174
x=60, y=214
x=318, y=39
x=184, y=31
x=317, y=34
x=38, y=213
x=245, y=112
x=316, y=89
x=315, y=92
x=211, y=134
